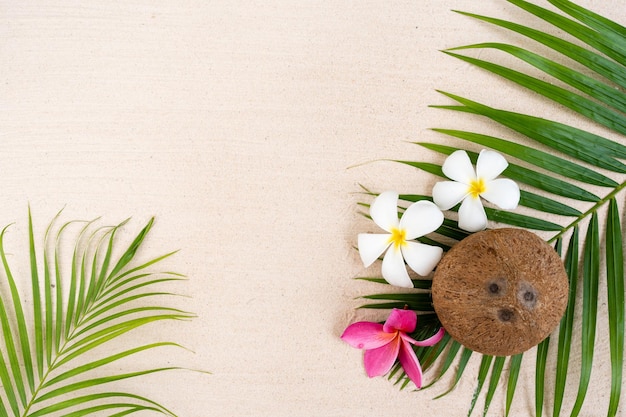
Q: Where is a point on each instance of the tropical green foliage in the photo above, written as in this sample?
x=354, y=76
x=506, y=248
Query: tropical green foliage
x=568, y=173
x=80, y=306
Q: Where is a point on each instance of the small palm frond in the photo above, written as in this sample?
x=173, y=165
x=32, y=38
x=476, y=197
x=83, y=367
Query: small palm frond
x=578, y=177
x=80, y=304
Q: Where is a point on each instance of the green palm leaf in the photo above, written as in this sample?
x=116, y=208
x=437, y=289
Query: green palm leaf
x=106, y=297
x=591, y=274
x=615, y=296
x=540, y=375
x=598, y=63
x=567, y=323
x=604, y=41
x=463, y=361
x=542, y=356
x=496, y=372
x=515, y=365
x=483, y=371
x=562, y=170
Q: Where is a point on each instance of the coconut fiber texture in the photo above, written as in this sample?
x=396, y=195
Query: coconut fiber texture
x=500, y=292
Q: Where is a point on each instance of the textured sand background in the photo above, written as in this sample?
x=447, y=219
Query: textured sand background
x=235, y=123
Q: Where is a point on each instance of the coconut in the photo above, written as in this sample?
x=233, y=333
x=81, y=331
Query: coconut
x=500, y=292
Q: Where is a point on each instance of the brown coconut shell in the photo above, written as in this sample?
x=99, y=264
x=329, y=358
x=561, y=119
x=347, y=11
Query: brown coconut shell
x=500, y=292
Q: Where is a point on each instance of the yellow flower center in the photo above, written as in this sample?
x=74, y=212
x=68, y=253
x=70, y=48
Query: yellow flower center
x=477, y=187
x=398, y=237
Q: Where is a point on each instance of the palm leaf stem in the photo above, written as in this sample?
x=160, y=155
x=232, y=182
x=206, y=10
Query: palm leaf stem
x=593, y=209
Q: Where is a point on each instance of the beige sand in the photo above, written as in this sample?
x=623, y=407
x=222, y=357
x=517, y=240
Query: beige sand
x=234, y=123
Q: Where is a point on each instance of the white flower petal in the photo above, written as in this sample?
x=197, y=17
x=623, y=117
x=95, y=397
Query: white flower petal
x=371, y=246
x=458, y=167
x=472, y=215
x=394, y=270
x=447, y=194
x=421, y=218
x=490, y=164
x=384, y=210
x=502, y=192
x=421, y=258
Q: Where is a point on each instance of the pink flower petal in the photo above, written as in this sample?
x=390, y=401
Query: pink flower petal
x=384, y=210
x=402, y=320
x=379, y=361
x=366, y=335
x=433, y=340
x=410, y=364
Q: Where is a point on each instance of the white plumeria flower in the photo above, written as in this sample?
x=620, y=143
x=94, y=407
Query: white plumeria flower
x=469, y=185
x=419, y=219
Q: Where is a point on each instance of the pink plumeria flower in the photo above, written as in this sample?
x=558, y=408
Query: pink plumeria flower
x=469, y=186
x=383, y=344
x=419, y=219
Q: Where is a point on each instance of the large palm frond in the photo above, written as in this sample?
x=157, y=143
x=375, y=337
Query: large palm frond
x=78, y=305
x=577, y=175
